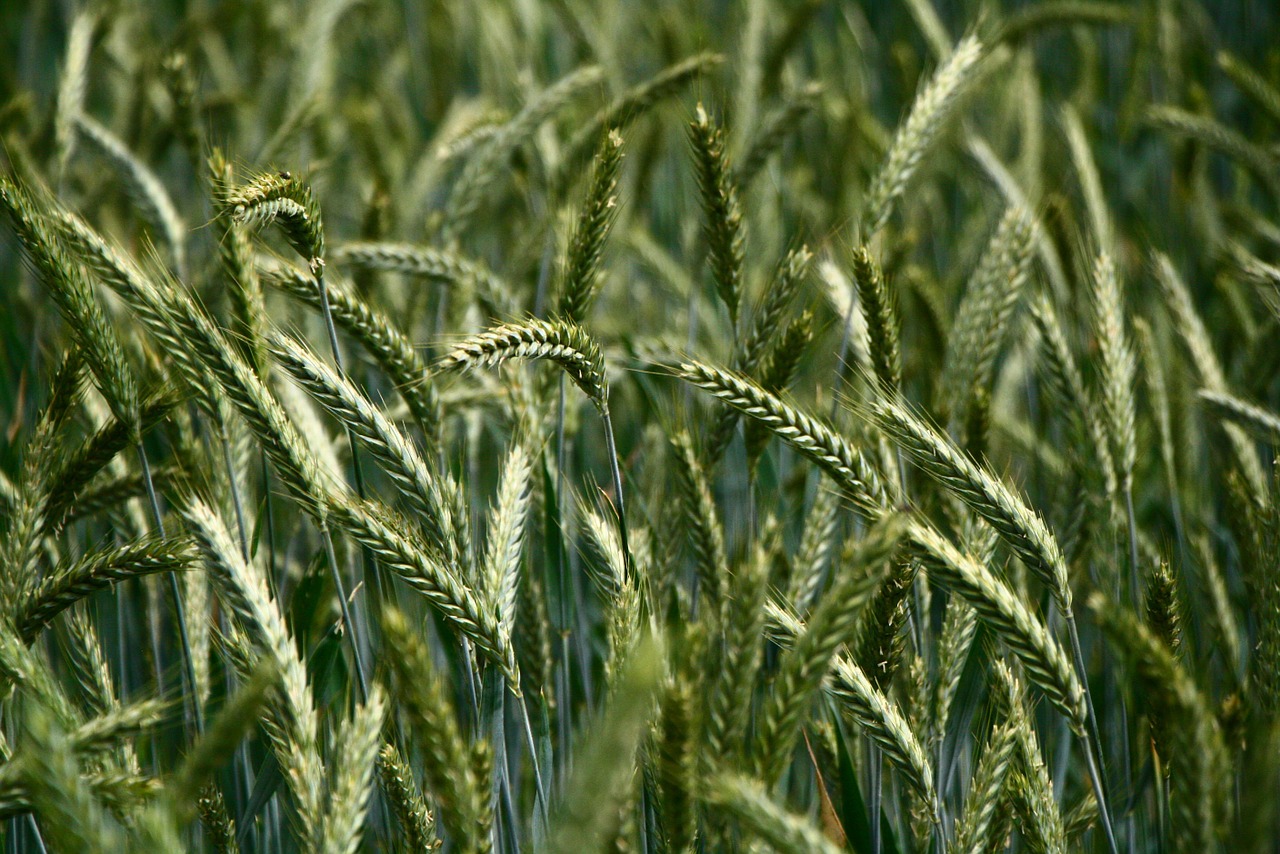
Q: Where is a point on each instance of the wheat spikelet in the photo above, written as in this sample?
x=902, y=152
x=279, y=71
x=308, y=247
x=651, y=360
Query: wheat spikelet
x=984, y=493
x=1119, y=368
x=581, y=278
x=1255, y=419
x=977, y=829
x=881, y=314
x=351, y=776
x=930, y=111
x=144, y=187
x=292, y=723
x=68, y=584
x=566, y=344
x=506, y=533
x=439, y=265
x=705, y=531
x=1020, y=629
x=848, y=466
x=1095, y=201
x=677, y=770
x=410, y=810
x=376, y=527
x=723, y=227
x=72, y=84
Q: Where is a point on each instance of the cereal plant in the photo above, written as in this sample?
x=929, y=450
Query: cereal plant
x=681, y=427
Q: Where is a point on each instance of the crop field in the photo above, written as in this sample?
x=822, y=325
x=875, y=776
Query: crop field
x=673, y=427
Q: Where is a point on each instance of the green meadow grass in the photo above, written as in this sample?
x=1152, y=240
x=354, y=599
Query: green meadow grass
x=762, y=426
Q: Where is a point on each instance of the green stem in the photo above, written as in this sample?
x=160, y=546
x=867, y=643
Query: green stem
x=1091, y=738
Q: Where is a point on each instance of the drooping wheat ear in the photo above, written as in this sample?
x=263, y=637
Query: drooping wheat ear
x=1026, y=22
x=847, y=465
x=1261, y=422
x=882, y=721
x=605, y=762
x=773, y=131
x=351, y=775
x=724, y=227
x=978, y=827
x=1119, y=368
x=438, y=265
x=1095, y=202
x=282, y=199
x=566, y=344
x=1067, y=384
x=407, y=805
x=486, y=164
x=622, y=111
x=72, y=84
x=804, y=667
x=706, y=533
x=87, y=664
x=391, y=449
x=291, y=723
x=750, y=805
x=71, y=817
x=881, y=313
x=219, y=826
x=379, y=529
x=741, y=622
x=1211, y=133
x=1011, y=619
x=915, y=136
x=145, y=189
x=580, y=282
x=69, y=287
x=449, y=771
x=982, y=320
x=1197, y=760
x=69, y=583
x=677, y=761
x=380, y=336
x=984, y=493
x=1196, y=338
x=506, y=534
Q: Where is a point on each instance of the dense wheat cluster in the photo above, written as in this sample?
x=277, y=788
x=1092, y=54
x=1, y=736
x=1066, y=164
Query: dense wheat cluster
x=683, y=427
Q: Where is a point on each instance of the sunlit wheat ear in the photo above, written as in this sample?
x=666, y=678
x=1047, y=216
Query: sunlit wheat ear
x=979, y=825
x=379, y=529
x=434, y=264
x=848, y=466
x=416, y=822
x=1010, y=618
x=565, y=344
x=580, y=281
x=1119, y=368
x=506, y=534
x=1030, y=786
x=982, y=319
x=351, y=775
x=915, y=136
x=284, y=200
x=988, y=496
x=394, y=452
x=450, y=774
x=291, y=724
x=144, y=188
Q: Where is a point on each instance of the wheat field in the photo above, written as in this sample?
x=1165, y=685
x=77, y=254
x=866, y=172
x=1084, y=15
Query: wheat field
x=517, y=426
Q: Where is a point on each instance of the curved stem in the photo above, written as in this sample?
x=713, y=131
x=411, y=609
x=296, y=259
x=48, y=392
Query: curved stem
x=332, y=558
x=620, y=506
